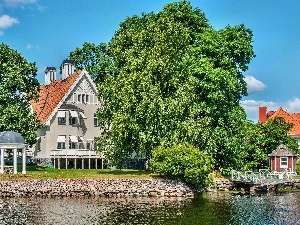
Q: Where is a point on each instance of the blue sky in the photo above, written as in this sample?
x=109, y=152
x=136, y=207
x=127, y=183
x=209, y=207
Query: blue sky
x=46, y=31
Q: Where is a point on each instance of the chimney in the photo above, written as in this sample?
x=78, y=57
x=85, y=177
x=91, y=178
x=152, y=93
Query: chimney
x=67, y=68
x=50, y=75
x=262, y=114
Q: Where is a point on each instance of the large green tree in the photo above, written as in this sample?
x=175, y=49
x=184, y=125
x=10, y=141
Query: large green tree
x=18, y=85
x=177, y=80
x=94, y=58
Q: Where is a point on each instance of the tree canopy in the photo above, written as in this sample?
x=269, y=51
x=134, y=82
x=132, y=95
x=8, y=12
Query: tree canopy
x=94, y=58
x=177, y=79
x=18, y=85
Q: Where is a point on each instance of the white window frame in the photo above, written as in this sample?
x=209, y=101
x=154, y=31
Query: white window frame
x=96, y=121
x=284, y=162
x=61, y=144
x=61, y=118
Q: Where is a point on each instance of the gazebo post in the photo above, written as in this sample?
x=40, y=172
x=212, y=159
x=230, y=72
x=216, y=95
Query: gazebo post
x=2, y=161
x=15, y=160
x=24, y=161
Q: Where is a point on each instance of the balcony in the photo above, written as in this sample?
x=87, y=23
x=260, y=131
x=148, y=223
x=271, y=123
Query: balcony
x=74, y=153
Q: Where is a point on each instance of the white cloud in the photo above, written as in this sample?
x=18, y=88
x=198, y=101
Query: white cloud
x=251, y=108
x=294, y=105
x=16, y=3
x=29, y=46
x=41, y=7
x=254, y=85
x=7, y=21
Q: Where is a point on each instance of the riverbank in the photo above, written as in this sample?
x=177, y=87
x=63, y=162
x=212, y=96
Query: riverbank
x=95, y=188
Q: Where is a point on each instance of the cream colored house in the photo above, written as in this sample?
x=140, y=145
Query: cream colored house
x=66, y=107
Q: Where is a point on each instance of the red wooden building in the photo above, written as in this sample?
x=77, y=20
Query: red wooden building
x=282, y=159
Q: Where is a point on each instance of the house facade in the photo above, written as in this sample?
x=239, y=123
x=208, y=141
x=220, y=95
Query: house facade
x=282, y=159
x=67, y=109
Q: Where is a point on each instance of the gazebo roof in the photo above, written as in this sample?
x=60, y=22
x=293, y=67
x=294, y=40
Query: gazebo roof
x=11, y=137
x=282, y=150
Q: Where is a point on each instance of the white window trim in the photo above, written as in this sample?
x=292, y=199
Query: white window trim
x=286, y=160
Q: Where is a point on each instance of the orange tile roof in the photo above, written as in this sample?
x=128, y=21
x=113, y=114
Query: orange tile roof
x=51, y=95
x=293, y=118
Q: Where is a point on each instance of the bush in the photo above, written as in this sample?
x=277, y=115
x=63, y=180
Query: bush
x=298, y=168
x=183, y=162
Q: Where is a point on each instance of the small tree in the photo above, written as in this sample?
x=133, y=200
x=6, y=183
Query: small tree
x=183, y=162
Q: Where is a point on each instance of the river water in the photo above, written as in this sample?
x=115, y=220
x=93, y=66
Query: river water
x=209, y=208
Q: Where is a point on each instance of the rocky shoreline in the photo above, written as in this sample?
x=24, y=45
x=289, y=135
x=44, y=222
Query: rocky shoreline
x=95, y=188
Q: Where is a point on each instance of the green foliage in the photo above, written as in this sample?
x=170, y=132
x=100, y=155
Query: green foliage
x=177, y=80
x=298, y=168
x=94, y=58
x=263, y=138
x=184, y=162
x=18, y=85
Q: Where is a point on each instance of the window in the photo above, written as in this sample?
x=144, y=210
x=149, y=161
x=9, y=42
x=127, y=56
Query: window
x=283, y=162
x=72, y=145
x=73, y=141
x=72, y=120
x=96, y=122
x=61, y=120
x=88, y=146
x=61, y=117
x=83, y=98
x=61, y=145
x=61, y=142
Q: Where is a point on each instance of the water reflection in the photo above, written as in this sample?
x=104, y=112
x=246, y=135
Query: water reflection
x=211, y=208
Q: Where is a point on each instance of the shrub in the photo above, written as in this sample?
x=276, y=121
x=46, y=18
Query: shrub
x=298, y=168
x=183, y=162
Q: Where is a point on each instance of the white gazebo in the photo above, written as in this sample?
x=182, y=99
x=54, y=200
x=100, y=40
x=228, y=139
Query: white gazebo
x=12, y=140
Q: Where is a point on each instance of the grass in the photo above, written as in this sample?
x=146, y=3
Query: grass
x=38, y=172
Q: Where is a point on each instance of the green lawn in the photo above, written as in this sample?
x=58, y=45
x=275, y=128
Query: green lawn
x=37, y=172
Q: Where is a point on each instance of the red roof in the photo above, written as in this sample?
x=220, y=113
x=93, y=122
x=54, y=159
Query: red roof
x=293, y=118
x=51, y=95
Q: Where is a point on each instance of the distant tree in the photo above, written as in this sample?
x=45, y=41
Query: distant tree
x=94, y=58
x=177, y=80
x=263, y=138
x=183, y=162
x=18, y=85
